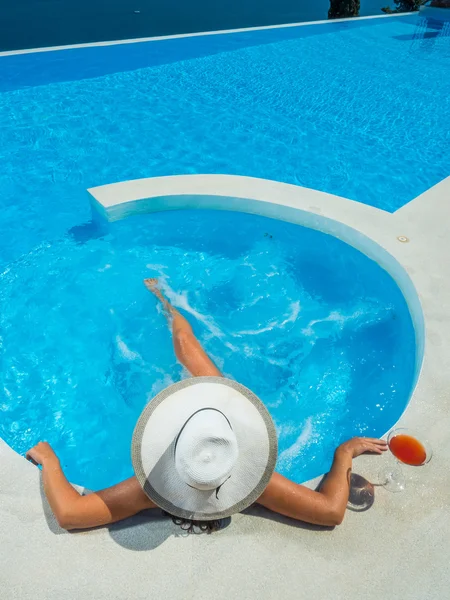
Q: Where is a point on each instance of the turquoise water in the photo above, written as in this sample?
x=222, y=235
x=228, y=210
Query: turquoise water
x=321, y=333
x=356, y=109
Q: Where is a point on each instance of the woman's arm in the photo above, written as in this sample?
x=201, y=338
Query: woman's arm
x=326, y=506
x=74, y=511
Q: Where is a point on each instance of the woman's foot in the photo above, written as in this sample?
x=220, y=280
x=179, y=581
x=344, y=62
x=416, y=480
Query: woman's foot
x=152, y=285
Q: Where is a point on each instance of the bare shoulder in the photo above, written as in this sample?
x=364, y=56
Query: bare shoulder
x=293, y=500
x=280, y=487
x=128, y=493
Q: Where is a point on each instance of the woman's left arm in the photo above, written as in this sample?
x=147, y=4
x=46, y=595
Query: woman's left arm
x=73, y=511
x=326, y=506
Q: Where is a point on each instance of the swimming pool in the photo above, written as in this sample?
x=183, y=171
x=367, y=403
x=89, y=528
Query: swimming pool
x=320, y=332
x=81, y=344
x=358, y=109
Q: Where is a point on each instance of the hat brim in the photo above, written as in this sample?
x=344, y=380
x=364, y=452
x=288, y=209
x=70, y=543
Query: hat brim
x=156, y=431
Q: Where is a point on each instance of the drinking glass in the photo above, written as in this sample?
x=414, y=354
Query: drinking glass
x=409, y=448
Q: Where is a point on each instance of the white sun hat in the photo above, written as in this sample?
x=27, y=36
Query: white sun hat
x=204, y=448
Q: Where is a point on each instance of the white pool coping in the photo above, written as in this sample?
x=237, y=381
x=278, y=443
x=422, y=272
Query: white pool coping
x=398, y=548
x=195, y=34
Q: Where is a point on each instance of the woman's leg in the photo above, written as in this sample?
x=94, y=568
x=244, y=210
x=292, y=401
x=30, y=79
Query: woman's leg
x=188, y=349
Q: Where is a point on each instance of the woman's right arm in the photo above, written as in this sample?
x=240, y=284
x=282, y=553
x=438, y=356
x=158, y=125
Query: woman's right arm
x=326, y=506
x=73, y=511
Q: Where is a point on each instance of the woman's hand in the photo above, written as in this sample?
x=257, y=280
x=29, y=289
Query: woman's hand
x=360, y=445
x=41, y=453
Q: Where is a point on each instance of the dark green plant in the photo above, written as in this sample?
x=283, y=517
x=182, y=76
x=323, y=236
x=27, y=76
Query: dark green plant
x=404, y=6
x=340, y=9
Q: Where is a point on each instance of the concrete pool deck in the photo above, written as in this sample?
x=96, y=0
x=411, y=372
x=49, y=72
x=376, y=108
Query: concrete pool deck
x=398, y=548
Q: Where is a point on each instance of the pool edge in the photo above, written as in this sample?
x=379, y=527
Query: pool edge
x=196, y=34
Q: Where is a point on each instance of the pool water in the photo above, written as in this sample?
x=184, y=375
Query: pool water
x=321, y=333
x=360, y=109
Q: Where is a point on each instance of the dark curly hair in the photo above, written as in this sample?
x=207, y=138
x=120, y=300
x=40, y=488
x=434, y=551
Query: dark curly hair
x=191, y=526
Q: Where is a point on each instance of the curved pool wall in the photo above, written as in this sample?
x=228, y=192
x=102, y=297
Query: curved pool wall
x=324, y=212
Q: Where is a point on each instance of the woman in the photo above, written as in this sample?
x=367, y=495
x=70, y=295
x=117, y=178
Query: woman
x=202, y=450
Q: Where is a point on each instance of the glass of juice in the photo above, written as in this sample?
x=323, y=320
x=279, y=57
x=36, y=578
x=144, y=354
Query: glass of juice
x=408, y=448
